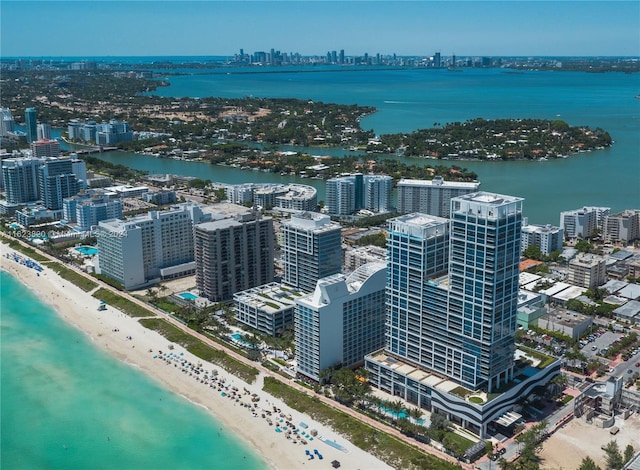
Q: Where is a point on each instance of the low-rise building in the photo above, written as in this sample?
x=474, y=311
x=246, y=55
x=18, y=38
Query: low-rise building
x=567, y=322
x=360, y=255
x=588, y=271
x=268, y=308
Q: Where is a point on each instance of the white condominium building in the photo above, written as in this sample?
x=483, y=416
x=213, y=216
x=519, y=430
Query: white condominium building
x=147, y=248
x=588, y=271
x=432, y=197
x=341, y=321
x=582, y=223
x=622, y=227
x=546, y=237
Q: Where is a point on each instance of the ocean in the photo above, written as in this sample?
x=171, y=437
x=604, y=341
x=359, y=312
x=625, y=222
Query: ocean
x=409, y=99
x=68, y=405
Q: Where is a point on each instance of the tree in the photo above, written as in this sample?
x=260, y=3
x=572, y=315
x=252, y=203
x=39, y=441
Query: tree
x=588, y=464
x=438, y=427
x=533, y=252
x=613, y=455
x=531, y=441
x=628, y=453
x=488, y=448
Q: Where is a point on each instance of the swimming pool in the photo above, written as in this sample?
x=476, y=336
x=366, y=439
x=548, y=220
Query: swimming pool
x=238, y=338
x=188, y=296
x=87, y=250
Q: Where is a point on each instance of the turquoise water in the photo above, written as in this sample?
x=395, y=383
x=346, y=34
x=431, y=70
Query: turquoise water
x=87, y=250
x=188, y=296
x=409, y=99
x=68, y=405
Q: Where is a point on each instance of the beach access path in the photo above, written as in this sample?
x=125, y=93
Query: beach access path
x=110, y=330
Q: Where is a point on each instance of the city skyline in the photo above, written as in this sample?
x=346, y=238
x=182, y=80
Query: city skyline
x=465, y=28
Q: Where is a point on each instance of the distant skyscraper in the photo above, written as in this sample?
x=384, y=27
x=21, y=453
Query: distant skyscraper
x=341, y=59
x=7, y=124
x=44, y=132
x=437, y=60
x=312, y=249
x=31, y=124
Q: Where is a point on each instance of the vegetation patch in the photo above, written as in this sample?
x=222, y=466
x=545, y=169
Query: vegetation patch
x=25, y=250
x=476, y=400
x=200, y=349
x=73, y=277
x=122, y=304
x=387, y=448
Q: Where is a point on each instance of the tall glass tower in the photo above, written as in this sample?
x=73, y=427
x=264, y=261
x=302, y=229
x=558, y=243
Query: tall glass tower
x=31, y=123
x=452, y=289
x=483, y=277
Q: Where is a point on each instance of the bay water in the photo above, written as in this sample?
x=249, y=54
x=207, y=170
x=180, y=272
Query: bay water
x=68, y=405
x=409, y=99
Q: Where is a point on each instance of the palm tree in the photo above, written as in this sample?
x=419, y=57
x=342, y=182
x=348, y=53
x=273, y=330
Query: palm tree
x=415, y=413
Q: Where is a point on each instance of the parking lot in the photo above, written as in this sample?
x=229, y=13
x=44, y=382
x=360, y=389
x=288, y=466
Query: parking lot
x=599, y=343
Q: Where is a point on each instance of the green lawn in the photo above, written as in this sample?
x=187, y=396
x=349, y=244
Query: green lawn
x=73, y=277
x=119, y=302
x=200, y=349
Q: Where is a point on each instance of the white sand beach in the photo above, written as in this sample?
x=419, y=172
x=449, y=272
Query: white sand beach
x=110, y=330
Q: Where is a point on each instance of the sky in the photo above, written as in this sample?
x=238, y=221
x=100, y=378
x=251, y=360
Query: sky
x=89, y=28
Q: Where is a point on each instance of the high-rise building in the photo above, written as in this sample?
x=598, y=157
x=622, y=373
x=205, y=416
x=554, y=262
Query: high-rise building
x=88, y=208
x=31, y=124
x=20, y=179
x=44, y=132
x=431, y=197
x=311, y=249
x=437, y=60
x=341, y=321
x=546, y=237
x=377, y=193
x=7, y=123
x=56, y=181
x=621, y=227
x=452, y=297
x=45, y=148
x=233, y=254
x=350, y=193
x=582, y=223
x=148, y=248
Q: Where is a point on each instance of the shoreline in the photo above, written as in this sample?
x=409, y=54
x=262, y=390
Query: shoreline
x=126, y=340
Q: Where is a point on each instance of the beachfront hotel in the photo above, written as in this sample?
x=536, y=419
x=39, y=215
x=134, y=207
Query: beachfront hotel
x=233, y=254
x=143, y=250
x=432, y=197
x=311, y=249
x=452, y=297
x=341, y=321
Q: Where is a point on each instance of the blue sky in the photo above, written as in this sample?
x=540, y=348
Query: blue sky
x=164, y=28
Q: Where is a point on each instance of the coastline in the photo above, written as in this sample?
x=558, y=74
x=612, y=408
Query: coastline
x=110, y=330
